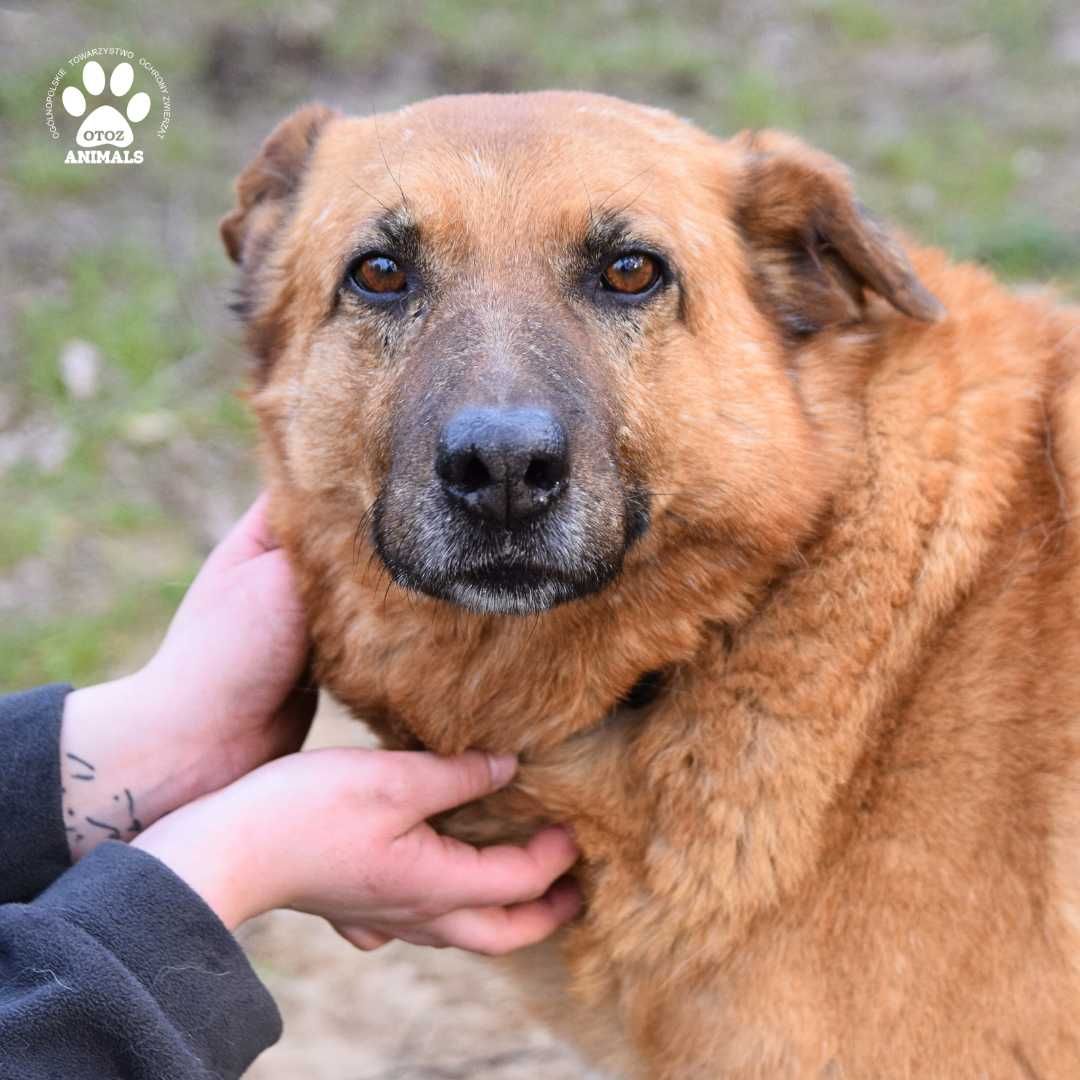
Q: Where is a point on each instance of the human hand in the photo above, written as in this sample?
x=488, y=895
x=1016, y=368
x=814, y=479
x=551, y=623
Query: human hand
x=343, y=834
x=219, y=697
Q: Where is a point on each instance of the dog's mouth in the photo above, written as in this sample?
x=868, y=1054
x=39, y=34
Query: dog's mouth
x=506, y=590
x=506, y=572
x=503, y=586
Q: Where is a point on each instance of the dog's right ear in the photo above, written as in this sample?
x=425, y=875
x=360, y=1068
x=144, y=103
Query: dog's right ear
x=263, y=188
x=813, y=248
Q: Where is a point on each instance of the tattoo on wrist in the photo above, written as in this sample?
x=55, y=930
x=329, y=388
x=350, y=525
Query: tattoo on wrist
x=121, y=823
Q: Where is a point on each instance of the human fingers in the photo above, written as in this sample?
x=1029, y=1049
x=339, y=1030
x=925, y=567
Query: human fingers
x=249, y=538
x=496, y=931
x=363, y=937
x=418, y=784
x=458, y=875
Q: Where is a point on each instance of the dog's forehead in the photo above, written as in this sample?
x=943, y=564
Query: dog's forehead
x=531, y=163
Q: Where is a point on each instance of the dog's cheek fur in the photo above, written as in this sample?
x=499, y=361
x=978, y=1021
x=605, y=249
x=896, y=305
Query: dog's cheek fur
x=750, y=435
x=325, y=414
x=325, y=392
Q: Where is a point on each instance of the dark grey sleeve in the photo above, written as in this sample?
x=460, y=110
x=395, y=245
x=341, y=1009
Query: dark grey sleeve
x=118, y=971
x=33, y=847
x=114, y=969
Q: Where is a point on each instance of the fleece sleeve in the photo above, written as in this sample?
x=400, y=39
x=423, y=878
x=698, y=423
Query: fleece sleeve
x=113, y=969
x=118, y=971
x=33, y=847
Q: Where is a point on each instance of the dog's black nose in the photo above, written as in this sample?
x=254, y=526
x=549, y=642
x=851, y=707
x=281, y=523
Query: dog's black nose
x=503, y=465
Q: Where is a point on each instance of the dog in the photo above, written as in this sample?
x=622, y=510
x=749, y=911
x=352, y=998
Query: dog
x=748, y=524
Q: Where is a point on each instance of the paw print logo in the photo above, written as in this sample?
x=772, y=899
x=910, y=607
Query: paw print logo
x=106, y=125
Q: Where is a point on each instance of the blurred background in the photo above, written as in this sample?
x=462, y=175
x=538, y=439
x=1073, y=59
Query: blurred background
x=125, y=451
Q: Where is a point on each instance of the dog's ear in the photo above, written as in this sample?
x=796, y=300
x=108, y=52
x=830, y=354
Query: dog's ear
x=813, y=247
x=262, y=189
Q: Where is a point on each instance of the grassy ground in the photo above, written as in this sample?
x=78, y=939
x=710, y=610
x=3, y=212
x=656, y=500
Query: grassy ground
x=960, y=120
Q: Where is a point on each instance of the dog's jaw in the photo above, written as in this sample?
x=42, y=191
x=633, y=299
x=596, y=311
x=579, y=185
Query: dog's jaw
x=531, y=599
x=522, y=573
x=506, y=589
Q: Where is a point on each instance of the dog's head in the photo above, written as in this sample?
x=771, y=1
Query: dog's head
x=521, y=339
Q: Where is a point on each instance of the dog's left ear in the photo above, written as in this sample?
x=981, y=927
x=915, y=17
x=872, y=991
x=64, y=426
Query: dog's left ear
x=813, y=248
x=263, y=188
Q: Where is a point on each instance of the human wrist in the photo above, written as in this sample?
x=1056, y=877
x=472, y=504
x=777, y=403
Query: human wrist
x=119, y=771
x=213, y=851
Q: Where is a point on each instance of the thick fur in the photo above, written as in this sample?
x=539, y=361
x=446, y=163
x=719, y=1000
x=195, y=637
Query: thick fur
x=843, y=839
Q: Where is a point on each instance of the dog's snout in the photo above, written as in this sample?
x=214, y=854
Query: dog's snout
x=504, y=465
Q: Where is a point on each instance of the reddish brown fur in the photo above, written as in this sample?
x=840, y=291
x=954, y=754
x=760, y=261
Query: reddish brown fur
x=844, y=841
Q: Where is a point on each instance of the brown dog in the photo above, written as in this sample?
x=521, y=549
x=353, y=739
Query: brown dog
x=654, y=459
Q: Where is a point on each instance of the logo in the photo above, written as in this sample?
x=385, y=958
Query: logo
x=113, y=111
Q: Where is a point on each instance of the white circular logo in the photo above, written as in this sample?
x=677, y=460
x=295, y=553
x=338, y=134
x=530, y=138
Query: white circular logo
x=109, y=104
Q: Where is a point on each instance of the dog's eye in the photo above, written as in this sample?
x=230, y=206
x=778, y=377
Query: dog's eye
x=377, y=274
x=631, y=274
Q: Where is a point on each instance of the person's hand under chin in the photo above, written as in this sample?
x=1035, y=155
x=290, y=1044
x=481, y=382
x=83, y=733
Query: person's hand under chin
x=193, y=759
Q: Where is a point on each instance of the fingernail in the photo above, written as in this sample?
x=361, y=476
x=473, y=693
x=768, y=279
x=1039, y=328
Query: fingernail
x=503, y=767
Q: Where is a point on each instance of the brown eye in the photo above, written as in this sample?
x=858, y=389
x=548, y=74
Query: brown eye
x=378, y=274
x=632, y=274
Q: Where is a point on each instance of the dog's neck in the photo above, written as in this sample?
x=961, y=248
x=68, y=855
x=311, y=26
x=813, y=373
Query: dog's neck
x=505, y=683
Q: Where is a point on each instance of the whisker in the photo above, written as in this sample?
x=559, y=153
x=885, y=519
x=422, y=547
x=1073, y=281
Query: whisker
x=611, y=195
x=372, y=196
x=390, y=172
x=588, y=195
x=358, y=536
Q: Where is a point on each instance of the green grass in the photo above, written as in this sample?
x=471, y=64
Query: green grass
x=49, y=511
x=754, y=99
x=1020, y=27
x=364, y=36
x=224, y=415
x=960, y=158
x=81, y=648
x=121, y=299
x=537, y=44
x=1021, y=248
x=127, y=304
x=22, y=98
x=37, y=168
x=859, y=21
x=973, y=211
x=123, y=516
x=25, y=533
x=654, y=44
